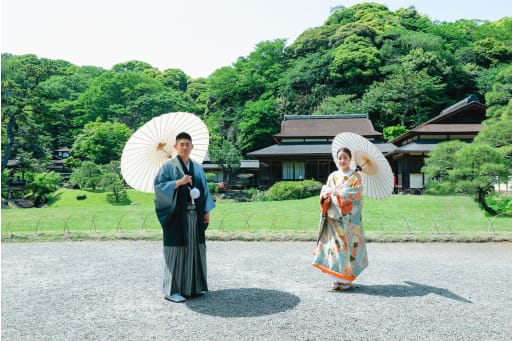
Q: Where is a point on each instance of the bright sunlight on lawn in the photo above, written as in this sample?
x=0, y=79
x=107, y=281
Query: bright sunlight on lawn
x=398, y=215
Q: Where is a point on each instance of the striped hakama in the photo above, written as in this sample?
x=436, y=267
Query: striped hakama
x=184, y=268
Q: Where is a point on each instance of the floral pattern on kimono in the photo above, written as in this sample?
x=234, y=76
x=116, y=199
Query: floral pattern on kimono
x=341, y=247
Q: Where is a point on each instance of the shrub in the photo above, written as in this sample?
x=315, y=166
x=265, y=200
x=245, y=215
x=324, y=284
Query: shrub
x=500, y=203
x=288, y=190
x=210, y=177
x=261, y=196
x=43, y=186
x=251, y=191
x=212, y=187
x=81, y=197
x=121, y=198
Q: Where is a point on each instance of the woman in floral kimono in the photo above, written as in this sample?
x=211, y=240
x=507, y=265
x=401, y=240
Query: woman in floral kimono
x=341, y=248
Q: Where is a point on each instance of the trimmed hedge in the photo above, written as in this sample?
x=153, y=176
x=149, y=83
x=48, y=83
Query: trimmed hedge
x=290, y=190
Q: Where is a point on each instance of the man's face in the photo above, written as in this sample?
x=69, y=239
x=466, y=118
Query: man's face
x=183, y=147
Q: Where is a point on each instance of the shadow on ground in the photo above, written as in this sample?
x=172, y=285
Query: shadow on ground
x=243, y=302
x=409, y=290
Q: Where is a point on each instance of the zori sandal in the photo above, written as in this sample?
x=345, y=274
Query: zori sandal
x=339, y=286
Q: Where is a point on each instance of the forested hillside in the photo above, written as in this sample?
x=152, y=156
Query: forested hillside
x=400, y=67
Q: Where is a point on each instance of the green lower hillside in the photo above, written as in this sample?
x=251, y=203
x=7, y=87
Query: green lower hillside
x=398, y=215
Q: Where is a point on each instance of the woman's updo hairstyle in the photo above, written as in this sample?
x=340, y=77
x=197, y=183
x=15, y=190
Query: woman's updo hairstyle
x=345, y=150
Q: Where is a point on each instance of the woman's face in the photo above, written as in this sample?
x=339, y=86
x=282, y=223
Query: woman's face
x=344, y=160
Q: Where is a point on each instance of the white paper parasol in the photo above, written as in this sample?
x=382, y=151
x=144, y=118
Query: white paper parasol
x=153, y=143
x=375, y=170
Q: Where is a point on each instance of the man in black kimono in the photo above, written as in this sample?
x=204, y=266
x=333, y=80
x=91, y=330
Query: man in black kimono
x=183, y=204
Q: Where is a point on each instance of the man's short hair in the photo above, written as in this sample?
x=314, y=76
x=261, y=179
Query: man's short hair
x=183, y=135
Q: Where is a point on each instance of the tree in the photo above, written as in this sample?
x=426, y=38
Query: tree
x=355, y=60
x=133, y=65
x=21, y=106
x=471, y=169
x=42, y=187
x=88, y=175
x=479, y=168
x=197, y=92
x=227, y=156
x=438, y=164
x=393, y=132
x=304, y=84
x=258, y=124
x=500, y=95
x=406, y=97
x=339, y=105
x=110, y=180
x=312, y=41
x=129, y=97
x=101, y=142
x=58, y=95
x=352, y=29
x=250, y=79
x=412, y=20
x=174, y=79
x=491, y=51
x=375, y=15
x=497, y=134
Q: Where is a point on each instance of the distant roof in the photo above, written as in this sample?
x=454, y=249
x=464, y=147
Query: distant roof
x=293, y=149
x=244, y=164
x=449, y=128
x=416, y=147
x=325, y=126
x=63, y=149
x=469, y=110
x=13, y=163
x=464, y=116
x=59, y=162
x=309, y=149
x=463, y=102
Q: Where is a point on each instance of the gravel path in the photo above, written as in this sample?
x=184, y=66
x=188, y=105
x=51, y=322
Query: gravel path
x=258, y=291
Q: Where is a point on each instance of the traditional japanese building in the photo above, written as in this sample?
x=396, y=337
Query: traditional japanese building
x=59, y=158
x=302, y=148
x=461, y=121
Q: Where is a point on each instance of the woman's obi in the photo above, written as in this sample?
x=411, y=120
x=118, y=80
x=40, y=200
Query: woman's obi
x=346, y=204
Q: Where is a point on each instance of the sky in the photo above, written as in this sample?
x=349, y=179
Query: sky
x=196, y=36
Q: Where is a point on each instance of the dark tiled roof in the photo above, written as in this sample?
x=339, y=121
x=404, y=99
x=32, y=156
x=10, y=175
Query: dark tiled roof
x=449, y=128
x=416, y=147
x=210, y=166
x=459, y=104
x=13, y=163
x=322, y=126
x=309, y=149
x=63, y=149
x=463, y=117
x=385, y=148
x=244, y=164
x=293, y=149
x=59, y=162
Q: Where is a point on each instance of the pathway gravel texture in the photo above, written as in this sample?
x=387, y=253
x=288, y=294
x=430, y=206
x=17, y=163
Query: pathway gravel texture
x=258, y=291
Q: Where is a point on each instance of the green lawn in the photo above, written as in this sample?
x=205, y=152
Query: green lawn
x=398, y=215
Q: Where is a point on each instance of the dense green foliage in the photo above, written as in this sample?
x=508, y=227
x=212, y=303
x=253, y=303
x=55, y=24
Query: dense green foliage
x=43, y=186
x=289, y=190
x=399, y=67
x=410, y=215
x=472, y=169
